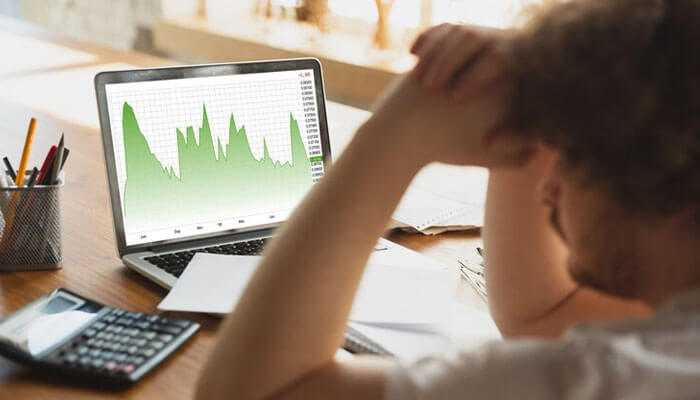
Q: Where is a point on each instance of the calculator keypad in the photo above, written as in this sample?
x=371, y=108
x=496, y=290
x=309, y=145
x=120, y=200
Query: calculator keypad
x=120, y=342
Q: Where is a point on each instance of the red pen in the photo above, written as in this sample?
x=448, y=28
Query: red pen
x=45, y=165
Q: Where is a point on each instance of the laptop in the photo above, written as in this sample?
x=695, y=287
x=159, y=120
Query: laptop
x=208, y=158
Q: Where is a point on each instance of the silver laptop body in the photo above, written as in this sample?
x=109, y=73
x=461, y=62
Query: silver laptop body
x=223, y=184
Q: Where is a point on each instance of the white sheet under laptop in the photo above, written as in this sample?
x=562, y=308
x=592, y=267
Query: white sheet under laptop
x=398, y=288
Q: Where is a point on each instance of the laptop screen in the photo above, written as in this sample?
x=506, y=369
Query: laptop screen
x=202, y=155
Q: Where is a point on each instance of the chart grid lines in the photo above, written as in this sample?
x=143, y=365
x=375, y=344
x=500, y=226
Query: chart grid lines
x=263, y=105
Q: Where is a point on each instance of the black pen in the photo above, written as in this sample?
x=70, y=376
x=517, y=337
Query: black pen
x=58, y=162
x=10, y=169
x=32, y=177
x=66, y=152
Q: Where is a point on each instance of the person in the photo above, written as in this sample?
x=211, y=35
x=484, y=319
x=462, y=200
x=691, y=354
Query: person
x=588, y=118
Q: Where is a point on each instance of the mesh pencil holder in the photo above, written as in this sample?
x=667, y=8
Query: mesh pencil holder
x=30, y=228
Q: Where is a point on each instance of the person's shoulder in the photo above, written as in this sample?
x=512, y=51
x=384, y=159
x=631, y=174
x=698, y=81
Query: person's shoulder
x=598, y=359
x=523, y=368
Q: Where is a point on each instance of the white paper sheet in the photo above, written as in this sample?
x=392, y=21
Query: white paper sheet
x=389, y=294
x=393, y=254
x=466, y=329
x=395, y=296
x=469, y=327
x=406, y=345
x=211, y=283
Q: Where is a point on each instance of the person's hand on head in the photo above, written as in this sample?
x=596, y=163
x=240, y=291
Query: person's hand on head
x=421, y=110
x=430, y=126
x=458, y=59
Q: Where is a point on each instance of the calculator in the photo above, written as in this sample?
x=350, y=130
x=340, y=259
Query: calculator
x=66, y=333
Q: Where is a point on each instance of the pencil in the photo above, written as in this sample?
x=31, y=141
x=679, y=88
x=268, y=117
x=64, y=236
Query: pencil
x=25, y=152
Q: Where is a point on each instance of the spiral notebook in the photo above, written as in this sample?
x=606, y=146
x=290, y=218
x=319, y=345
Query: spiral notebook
x=443, y=197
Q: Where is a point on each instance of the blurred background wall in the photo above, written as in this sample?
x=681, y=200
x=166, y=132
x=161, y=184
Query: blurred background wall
x=363, y=44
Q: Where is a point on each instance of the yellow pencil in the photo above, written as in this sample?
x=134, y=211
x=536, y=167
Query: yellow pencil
x=25, y=152
x=19, y=181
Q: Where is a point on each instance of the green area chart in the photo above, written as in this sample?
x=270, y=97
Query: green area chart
x=208, y=188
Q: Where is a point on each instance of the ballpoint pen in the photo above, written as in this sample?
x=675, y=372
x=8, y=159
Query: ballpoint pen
x=46, y=165
x=58, y=162
x=10, y=168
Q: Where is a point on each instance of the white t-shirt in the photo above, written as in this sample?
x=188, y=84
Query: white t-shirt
x=657, y=358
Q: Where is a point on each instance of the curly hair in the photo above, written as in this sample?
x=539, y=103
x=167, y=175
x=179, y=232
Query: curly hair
x=614, y=85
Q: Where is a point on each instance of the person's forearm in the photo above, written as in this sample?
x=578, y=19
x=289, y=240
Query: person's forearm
x=530, y=290
x=292, y=317
x=525, y=258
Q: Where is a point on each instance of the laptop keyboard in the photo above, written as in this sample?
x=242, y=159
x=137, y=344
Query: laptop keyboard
x=175, y=263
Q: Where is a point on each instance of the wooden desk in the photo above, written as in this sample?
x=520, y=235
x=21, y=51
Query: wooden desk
x=91, y=266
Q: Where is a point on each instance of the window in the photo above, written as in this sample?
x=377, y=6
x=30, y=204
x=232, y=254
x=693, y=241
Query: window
x=410, y=13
